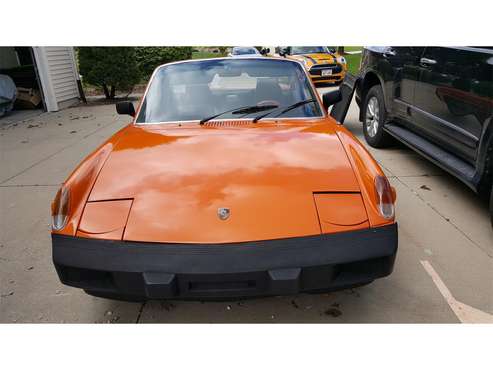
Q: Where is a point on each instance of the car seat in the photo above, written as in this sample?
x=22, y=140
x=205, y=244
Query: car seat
x=268, y=89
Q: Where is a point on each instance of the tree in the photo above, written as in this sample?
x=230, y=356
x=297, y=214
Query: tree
x=148, y=58
x=222, y=49
x=340, y=50
x=110, y=68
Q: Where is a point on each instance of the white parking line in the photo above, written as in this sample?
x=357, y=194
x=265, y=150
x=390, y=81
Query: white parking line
x=466, y=314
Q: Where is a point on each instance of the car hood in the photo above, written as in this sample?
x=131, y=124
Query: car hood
x=316, y=58
x=178, y=177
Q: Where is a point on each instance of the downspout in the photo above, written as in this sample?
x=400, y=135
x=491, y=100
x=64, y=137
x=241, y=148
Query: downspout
x=77, y=77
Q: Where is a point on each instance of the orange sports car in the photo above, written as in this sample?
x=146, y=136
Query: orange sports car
x=230, y=181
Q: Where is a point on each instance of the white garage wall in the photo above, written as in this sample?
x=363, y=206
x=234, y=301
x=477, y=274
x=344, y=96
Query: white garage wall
x=57, y=72
x=62, y=72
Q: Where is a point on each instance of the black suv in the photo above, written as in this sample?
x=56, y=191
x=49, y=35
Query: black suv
x=436, y=100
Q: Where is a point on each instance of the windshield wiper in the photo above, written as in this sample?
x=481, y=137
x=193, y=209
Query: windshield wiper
x=286, y=109
x=242, y=110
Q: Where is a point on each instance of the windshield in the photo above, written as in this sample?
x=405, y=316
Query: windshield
x=308, y=49
x=199, y=89
x=244, y=51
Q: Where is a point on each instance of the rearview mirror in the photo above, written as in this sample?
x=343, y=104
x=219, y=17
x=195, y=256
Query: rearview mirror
x=125, y=107
x=330, y=98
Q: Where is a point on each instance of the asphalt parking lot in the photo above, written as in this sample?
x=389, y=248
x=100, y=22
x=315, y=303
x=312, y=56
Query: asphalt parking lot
x=443, y=272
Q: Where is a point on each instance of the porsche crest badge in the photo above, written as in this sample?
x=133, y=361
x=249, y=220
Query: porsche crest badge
x=223, y=213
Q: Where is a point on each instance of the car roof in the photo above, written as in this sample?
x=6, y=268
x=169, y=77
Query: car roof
x=258, y=57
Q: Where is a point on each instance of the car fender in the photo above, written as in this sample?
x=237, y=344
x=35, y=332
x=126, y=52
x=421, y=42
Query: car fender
x=363, y=89
x=365, y=169
x=484, y=162
x=81, y=181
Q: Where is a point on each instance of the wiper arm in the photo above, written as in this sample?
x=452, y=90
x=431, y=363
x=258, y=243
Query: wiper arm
x=242, y=110
x=286, y=109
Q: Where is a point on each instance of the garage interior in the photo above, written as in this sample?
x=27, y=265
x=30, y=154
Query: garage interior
x=19, y=64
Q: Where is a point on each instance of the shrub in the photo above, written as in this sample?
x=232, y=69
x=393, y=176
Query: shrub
x=110, y=68
x=148, y=58
x=223, y=49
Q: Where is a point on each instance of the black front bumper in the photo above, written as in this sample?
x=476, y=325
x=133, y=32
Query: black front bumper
x=272, y=267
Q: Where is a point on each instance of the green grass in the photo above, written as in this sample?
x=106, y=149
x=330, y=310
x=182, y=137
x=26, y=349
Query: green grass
x=352, y=48
x=205, y=55
x=353, y=60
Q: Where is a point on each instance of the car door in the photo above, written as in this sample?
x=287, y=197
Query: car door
x=405, y=70
x=448, y=105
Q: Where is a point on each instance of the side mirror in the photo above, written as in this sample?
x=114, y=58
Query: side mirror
x=125, y=107
x=331, y=98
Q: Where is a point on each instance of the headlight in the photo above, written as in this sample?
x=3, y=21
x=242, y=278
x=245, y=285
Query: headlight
x=385, y=197
x=60, y=208
x=341, y=60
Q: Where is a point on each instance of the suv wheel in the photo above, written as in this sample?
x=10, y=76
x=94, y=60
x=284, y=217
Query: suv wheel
x=374, y=119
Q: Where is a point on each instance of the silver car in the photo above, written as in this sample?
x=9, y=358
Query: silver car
x=244, y=51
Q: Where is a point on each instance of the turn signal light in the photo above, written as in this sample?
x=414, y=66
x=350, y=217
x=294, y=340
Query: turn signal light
x=60, y=208
x=385, y=197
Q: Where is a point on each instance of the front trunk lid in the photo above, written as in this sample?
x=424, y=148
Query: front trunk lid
x=216, y=184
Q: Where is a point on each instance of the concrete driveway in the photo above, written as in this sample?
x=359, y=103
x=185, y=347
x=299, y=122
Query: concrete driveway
x=443, y=272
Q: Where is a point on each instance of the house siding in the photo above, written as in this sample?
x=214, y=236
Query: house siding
x=62, y=72
x=58, y=74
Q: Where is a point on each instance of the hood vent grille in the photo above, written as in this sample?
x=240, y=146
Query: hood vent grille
x=228, y=123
